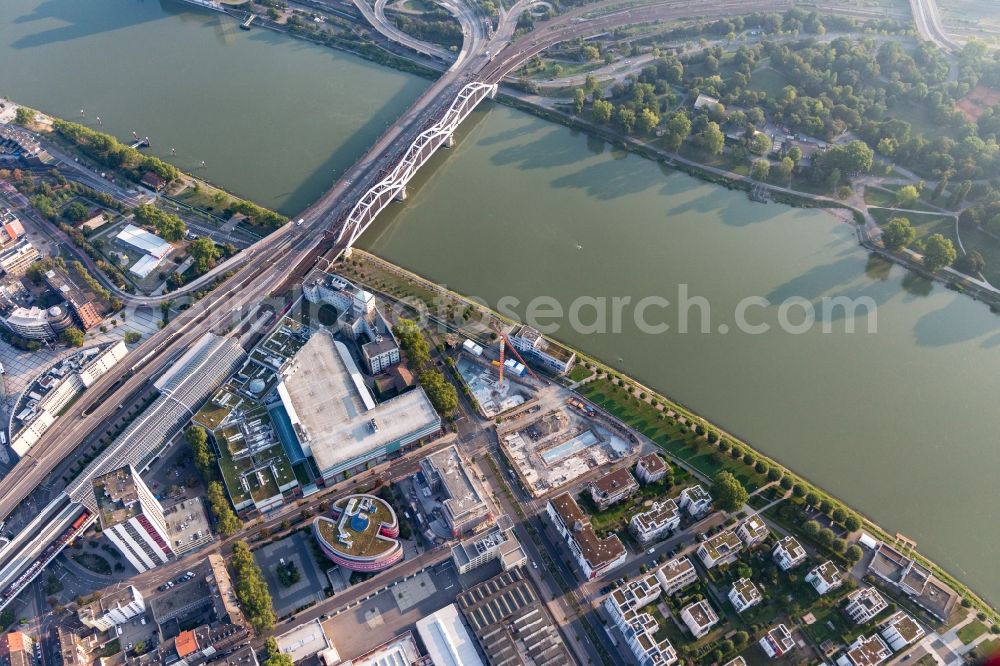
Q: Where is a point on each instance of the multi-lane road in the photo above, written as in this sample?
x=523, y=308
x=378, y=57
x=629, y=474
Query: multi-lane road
x=925, y=15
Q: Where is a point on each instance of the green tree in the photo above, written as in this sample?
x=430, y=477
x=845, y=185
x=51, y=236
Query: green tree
x=205, y=252
x=795, y=153
x=75, y=212
x=24, y=116
x=590, y=84
x=648, y=120
x=712, y=139
x=131, y=337
x=167, y=226
x=579, y=97
x=852, y=523
x=971, y=263
x=898, y=233
x=678, y=129
x=854, y=553
x=440, y=392
x=413, y=343
x=72, y=337
x=626, y=117
x=760, y=169
x=288, y=573
x=810, y=528
x=727, y=492
x=785, y=168
x=590, y=53
x=760, y=144
x=251, y=588
x=907, y=196
x=938, y=253
x=225, y=519
x=197, y=441
x=276, y=657
x=602, y=110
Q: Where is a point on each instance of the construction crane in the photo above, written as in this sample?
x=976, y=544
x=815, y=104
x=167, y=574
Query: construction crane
x=505, y=342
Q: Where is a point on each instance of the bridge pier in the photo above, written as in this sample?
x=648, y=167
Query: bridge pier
x=449, y=141
x=401, y=195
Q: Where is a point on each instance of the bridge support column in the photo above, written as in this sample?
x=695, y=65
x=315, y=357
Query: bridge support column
x=401, y=195
x=449, y=142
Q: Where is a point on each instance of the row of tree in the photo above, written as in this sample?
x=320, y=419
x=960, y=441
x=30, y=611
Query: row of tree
x=440, y=391
x=251, y=588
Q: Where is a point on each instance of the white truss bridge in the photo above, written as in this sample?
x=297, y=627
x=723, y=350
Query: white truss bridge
x=393, y=185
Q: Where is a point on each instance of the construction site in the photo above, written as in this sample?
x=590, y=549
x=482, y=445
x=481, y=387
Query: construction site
x=557, y=439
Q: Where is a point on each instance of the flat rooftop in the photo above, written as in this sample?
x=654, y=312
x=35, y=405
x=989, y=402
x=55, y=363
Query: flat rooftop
x=117, y=496
x=359, y=522
x=331, y=410
x=464, y=498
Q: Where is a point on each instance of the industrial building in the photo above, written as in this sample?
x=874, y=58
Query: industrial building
x=143, y=241
x=81, y=306
x=511, y=623
x=358, y=318
x=132, y=518
x=497, y=543
x=43, y=400
x=16, y=259
x=362, y=535
x=113, y=609
x=334, y=418
x=182, y=388
x=10, y=227
x=447, y=639
x=464, y=507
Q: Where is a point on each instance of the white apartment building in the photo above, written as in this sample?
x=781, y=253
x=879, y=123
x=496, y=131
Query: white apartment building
x=777, y=642
x=825, y=577
x=744, y=594
x=789, y=553
x=676, y=574
x=132, y=518
x=864, y=604
x=865, y=651
x=699, y=617
x=625, y=606
x=113, y=609
x=656, y=522
x=901, y=630
x=695, y=500
x=752, y=530
x=720, y=549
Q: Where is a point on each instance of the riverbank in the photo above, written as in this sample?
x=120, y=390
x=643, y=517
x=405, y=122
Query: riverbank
x=647, y=408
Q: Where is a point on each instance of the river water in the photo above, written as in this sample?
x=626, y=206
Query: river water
x=901, y=424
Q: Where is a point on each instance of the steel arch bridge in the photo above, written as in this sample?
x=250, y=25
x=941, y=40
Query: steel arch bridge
x=393, y=185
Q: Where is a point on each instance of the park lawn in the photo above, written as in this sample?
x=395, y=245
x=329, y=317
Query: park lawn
x=876, y=196
x=924, y=225
x=975, y=239
x=988, y=648
x=686, y=446
x=919, y=204
x=768, y=80
x=579, y=372
x=971, y=631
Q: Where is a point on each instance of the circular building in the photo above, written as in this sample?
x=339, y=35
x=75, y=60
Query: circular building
x=361, y=534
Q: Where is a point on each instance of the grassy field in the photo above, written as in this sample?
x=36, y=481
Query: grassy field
x=579, y=373
x=674, y=438
x=768, y=80
x=971, y=631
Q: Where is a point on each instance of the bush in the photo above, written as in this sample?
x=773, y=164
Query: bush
x=966, y=603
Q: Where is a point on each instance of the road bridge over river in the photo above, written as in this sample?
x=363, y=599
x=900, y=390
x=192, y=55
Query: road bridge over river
x=323, y=232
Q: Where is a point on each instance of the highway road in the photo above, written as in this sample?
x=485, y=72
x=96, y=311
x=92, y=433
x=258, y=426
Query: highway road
x=925, y=15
